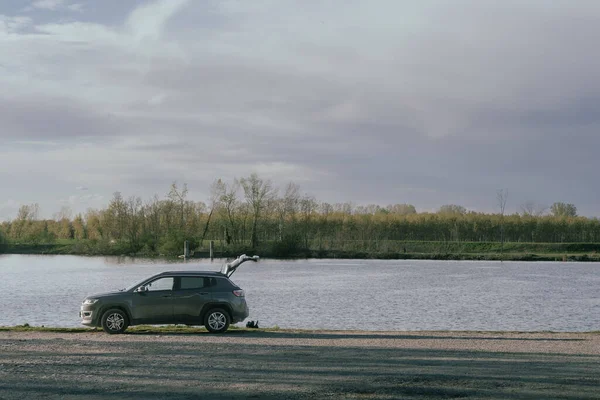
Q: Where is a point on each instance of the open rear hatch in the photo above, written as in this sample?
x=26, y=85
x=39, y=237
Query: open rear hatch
x=229, y=268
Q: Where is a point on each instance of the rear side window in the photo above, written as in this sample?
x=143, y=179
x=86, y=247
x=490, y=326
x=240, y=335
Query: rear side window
x=196, y=282
x=224, y=283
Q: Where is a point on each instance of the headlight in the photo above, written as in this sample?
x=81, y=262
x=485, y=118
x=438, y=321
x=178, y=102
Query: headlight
x=90, y=301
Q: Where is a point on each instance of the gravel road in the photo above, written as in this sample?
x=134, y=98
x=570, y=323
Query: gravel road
x=300, y=365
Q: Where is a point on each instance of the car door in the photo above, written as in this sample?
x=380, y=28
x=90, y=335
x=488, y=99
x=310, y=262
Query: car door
x=154, y=305
x=190, y=295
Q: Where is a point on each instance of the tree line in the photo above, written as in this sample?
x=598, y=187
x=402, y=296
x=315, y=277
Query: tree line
x=251, y=213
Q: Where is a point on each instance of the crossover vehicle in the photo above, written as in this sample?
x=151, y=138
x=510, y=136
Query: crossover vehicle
x=177, y=297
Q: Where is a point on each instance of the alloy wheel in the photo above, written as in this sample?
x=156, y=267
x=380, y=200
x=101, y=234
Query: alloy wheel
x=115, y=322
x=217, y=320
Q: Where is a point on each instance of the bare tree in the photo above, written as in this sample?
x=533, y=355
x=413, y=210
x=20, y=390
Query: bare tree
x=308, y=206
x=452, y=209
x=228, y=206
x=532, y=209
x=134, y=217
x=214, y=201
x=28, y=212
x=287, y=206
x=178, y=197
x=64, y=213
x=325, y=209
x=153, y=223
x=257, y=192
x=502, y=197
x=401, y=209
x=369, y=209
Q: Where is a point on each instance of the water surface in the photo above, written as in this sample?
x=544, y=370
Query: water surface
x=331, y=294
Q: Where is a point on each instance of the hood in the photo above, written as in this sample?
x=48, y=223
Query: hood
x=104, y=295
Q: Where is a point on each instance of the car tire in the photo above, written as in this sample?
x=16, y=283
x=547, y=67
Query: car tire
x=217, y=320
x=114, y=321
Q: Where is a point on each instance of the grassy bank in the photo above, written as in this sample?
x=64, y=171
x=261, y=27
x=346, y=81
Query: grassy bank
x=131, y=329
x=406, y=250
x=150, y=329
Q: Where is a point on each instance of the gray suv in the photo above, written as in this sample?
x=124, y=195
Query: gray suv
x=176, y=297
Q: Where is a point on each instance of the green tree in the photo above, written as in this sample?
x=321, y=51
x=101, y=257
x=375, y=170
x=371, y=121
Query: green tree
x=563, y=210
x=62, y=229
x=115, y=217
x=93, y=224
x=452, y=209
x=79, y=229
x=401, y=209
x=2, y=237
x=25, y=217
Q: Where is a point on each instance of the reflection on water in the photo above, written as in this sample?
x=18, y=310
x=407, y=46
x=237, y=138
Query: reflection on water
x=331, y=294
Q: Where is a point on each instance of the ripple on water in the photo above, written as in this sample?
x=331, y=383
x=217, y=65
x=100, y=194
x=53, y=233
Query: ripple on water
x=332, y=294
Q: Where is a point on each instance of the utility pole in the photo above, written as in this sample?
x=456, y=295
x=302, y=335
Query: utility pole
x=186, y=250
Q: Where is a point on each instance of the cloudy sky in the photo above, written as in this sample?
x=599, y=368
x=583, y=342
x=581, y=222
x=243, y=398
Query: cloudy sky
x=431, y=102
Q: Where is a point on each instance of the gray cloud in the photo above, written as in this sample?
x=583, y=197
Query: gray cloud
x=55, y=119
x=429, y=104
x=48, y=4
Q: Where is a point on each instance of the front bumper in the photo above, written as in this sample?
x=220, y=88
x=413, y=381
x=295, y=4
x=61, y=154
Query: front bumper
x=88, y=315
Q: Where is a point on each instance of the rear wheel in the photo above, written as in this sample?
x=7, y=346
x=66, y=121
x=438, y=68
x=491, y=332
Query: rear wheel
x=114, y=321
x=217, y=320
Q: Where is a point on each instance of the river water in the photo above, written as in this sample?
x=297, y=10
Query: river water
x=331, y=294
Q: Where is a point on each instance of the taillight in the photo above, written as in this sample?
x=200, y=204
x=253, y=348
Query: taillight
x=239, y=293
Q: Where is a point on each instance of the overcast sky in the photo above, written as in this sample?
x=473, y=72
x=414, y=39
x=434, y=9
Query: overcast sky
x=429, y=103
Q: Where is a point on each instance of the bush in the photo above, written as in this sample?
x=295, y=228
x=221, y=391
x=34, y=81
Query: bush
x=288, y=247
x=172, y=245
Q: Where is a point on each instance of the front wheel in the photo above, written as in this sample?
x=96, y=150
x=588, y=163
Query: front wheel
x=114, y=321
x=217, y=320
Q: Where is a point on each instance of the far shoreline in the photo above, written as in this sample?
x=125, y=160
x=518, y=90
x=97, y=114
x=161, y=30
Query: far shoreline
x=525, y=253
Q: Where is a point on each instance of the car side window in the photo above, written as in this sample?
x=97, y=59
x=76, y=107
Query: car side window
x=223, y=283
x=160, y=284
x=193, y=282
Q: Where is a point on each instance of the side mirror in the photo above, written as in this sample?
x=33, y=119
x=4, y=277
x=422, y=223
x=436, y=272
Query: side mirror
x=142, y=289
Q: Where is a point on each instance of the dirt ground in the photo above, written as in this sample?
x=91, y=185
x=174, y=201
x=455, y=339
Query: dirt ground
x=300, y=365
